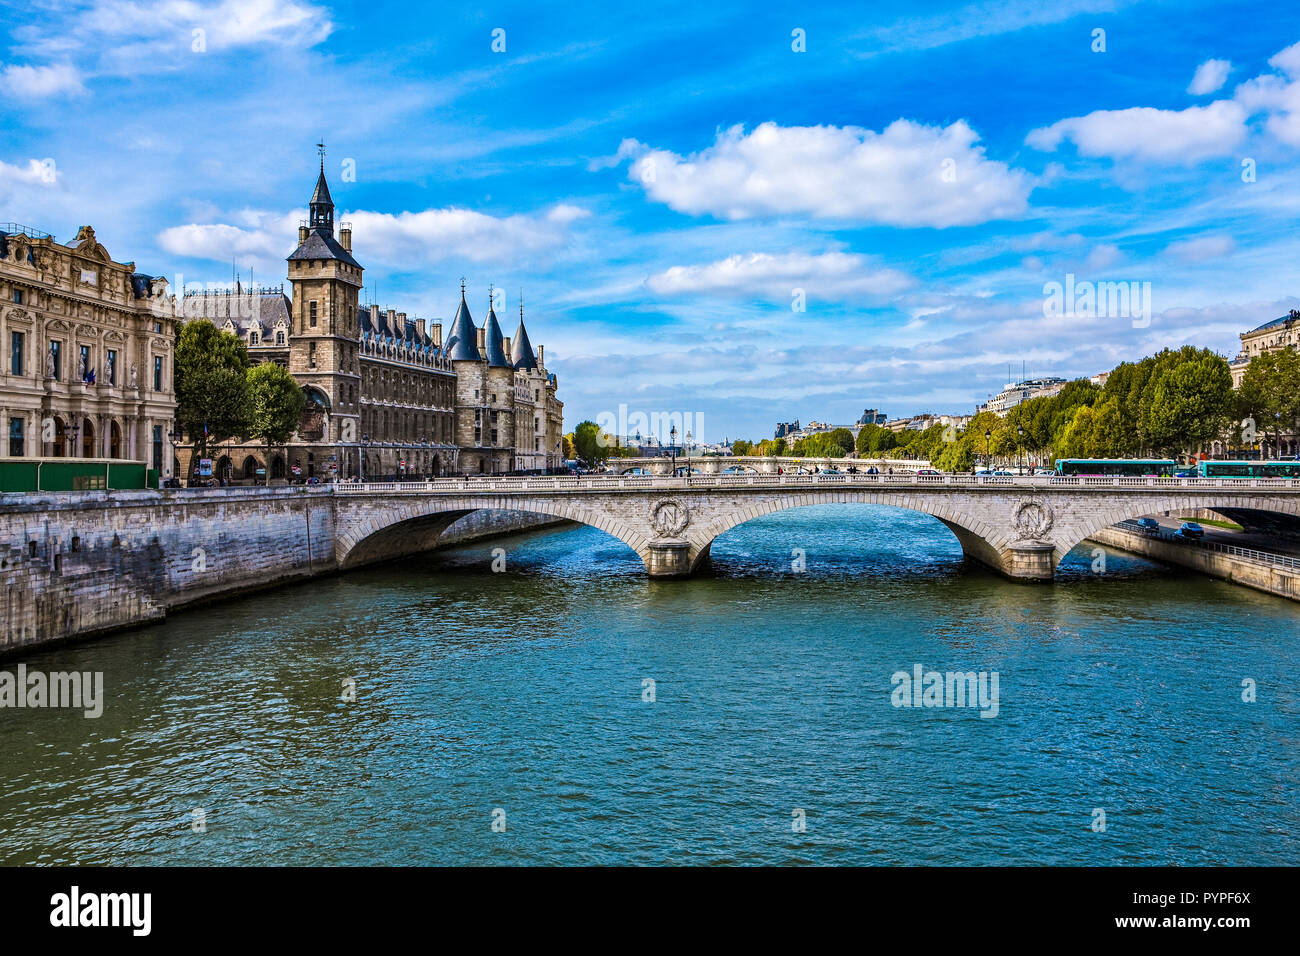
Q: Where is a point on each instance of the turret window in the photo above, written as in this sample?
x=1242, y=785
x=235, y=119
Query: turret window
x=311, y=308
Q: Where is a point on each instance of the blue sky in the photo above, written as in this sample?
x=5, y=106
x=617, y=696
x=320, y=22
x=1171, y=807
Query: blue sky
x=660, y=179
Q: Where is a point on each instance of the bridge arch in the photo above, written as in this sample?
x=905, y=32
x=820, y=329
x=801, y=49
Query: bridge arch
x=979, y=539
x=369, y=530
x=1113, y=511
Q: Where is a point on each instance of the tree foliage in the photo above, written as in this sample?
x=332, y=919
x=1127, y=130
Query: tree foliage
x=275, y=406
x=212, y=402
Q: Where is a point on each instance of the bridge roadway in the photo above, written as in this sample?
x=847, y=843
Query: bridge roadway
x=1019, y=526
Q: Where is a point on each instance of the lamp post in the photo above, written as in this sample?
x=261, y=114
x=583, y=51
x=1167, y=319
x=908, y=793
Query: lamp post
x=361, y=463
x=74, y=451
x=672, y=436
x=988, y=449
x=688, y=456
x=1020, y=441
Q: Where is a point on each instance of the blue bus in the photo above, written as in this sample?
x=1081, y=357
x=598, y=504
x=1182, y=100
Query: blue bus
x=1248, y=469
x=1116, y=467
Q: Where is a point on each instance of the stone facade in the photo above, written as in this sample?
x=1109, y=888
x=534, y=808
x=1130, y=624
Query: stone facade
x=87, y=340
x=387, y=396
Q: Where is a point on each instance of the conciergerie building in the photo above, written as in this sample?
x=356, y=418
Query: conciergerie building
x=387, y=395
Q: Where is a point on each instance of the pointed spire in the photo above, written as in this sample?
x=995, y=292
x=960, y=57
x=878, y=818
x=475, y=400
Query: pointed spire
x=493, y=341
x=521, y=350
x=462, y=342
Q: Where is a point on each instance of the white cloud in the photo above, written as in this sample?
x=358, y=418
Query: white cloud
x=1209, y=77
x=1201, y=249
x=1145, y=133
x=1277, y=95
x=832, y=275
x=15, y=179
x=402, y=241
x=1104, y=256
x=908, y=175
x=127, y=37
x=38, y=82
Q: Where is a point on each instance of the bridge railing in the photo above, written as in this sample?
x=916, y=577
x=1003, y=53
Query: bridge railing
x=1267, y=557
x=478, y=485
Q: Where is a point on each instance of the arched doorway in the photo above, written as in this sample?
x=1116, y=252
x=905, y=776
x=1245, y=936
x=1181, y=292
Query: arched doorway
x=114, y=439
x=277, y=467
x=88, y=439
x=251, y=465
x=223, y=468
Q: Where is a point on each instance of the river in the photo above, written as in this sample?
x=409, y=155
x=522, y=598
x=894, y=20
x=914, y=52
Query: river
x=568, y=710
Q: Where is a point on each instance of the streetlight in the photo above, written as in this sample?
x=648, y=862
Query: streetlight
x=75, y=429
x=988, y=449
x=688, y=455
x=672, y=435
x=361, y=464
x=1020, y=441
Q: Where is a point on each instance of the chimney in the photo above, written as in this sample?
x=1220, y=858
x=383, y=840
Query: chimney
x=401, y=320
x=345, y=237
x=435, y=333
x=481, y=339
x=506, y=344
x=374, y=315
x=302, y=234
x=392, y=320
x=541, y=356
x=419, y=327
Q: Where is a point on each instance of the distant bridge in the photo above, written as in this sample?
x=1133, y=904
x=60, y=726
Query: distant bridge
x=1019, y=526
x=755, y=464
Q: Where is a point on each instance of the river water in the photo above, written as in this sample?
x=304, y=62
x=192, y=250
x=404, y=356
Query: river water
x=510, y=718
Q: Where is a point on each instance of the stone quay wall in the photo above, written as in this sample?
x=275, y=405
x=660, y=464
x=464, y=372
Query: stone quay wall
x=81, y=564
x=1260, y=575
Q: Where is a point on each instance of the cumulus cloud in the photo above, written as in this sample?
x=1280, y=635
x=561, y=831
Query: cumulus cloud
x=1145, y=133
x=832, y=275
x=1209, y=77
x=1201, y=249
x=37, y=173
x=909, y=174
x=1277, y=94
x=39, y=82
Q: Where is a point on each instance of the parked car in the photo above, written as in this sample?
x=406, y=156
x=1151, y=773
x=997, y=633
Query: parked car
x=982, y=472
x=1186, y=474
x=1044, y=471
x=831, y=471
x=1190, y=529
x=1003, y=473
x=1148, y=525
x=929, y=472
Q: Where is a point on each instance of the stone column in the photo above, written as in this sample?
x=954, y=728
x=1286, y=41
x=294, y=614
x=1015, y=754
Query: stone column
x=1031, y=561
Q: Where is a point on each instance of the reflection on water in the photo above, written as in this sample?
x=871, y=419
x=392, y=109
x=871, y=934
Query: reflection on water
x=524, y=691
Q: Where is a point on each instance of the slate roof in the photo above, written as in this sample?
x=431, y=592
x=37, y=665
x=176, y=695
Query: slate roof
x=1277, y=323
x=494, y=343
x=521, y=350
x=322, y=245
x=321, y=197
x=462, y=343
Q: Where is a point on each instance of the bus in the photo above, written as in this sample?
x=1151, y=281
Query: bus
x=75, y=474
x=1116, y=467
x=1248, y=469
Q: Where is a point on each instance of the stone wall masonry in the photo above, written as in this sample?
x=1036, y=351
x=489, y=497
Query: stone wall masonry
x=1282, y=581
x=482, y=524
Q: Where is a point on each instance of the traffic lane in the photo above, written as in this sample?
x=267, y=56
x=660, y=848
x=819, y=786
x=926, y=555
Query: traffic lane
x=1239, y=539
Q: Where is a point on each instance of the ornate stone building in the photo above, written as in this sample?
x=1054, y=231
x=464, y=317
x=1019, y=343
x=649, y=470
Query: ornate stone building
x=386, y=395
x=87, y=370
x=1280, y=333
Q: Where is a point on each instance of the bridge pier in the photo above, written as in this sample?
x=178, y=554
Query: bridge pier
x=1031, y=561
x=668, y=559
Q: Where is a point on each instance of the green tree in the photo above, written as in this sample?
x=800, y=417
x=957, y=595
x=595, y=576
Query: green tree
x=1270, y=394
x=589, y=445
x=742, y=447
x=276, y=405
x=1190, y=403
x=212, y=402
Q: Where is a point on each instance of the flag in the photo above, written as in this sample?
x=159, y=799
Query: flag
x=90, y=377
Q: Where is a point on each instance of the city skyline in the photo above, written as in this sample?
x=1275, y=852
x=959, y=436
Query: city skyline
x=660, y=223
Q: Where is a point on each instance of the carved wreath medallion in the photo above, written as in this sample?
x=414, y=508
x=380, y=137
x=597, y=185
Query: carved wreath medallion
x=1033, y=518
x=669, y=518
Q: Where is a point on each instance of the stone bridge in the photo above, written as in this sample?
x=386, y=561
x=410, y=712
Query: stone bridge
x=1019, y=526
x=754, y=464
